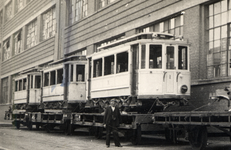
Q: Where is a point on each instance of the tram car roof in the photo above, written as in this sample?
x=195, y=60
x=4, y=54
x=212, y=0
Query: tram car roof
x=148, y=37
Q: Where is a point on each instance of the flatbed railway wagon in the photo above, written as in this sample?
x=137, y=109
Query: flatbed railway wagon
x=146, y=73
x=194, y=125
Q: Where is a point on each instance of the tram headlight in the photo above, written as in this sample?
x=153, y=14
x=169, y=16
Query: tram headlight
x=184, y=89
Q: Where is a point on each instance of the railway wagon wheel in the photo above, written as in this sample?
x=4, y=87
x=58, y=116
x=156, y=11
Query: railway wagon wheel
x=136, y=136
x=198, y=138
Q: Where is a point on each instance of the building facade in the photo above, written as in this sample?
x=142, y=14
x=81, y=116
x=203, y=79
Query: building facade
x=35, y=33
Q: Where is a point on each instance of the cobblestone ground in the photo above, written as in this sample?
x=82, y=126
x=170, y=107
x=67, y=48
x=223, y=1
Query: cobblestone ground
x=24, y=139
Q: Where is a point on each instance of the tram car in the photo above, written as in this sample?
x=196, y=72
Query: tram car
x=64, y=84
x=59, y=86
x=144, y=70
x=27, y=89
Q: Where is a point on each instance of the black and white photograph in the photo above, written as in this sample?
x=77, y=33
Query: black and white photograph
x=115, y=74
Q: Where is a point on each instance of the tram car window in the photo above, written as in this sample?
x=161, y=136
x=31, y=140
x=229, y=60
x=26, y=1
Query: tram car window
x=46, y=79
x=182, y=52
x=37, y=81
x=143, y=56
x=59, y=76
x=52, y=78
x=122, y=62
x=109, y=65
x=97, y=68
x=155, y=56
x=31, y=82
x=24, y=84
x=170, y=58
x=80, y=71
x=16, y=86
x=71, y=74
x=20, y=85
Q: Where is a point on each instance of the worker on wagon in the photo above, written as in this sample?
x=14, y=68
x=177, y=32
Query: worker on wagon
x=112, y=119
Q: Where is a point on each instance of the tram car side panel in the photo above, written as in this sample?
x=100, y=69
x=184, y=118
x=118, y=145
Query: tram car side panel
x=20, y=94
x=77, y=82
x=162, y=72
x=35, y=89
x=111, y=73
x=53, y=89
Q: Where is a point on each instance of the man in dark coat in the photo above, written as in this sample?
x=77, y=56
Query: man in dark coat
x=112, y=119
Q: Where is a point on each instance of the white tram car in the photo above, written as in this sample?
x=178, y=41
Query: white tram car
x=141, y=70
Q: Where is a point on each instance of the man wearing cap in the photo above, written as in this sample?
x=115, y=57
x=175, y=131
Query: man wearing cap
x=112, y=119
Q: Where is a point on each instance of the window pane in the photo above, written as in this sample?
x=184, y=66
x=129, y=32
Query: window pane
x=37, y=81
x=52, y=78
x=217, y=46
x=32, y=81
x=217, y=20
x=143, y=56
x=224, y=18
x=211, y=22
x=210, y=35
x=224, y=4
x=211, y=10
x=46, y=79
x=183, y=61
x=72, y=71
x=80, y=71
x=122, y=62
x=217, y=33
x=20, y=85
x=216, y=58
x=223, y=31
x=109, y=65
x=16, y=86
x=170, y=58
x=97, y=68
x=155, y=56
x=217, y=8
x=24, y=84
x=59, y=76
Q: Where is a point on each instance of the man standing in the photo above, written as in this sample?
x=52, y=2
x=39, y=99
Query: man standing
x=112, y=119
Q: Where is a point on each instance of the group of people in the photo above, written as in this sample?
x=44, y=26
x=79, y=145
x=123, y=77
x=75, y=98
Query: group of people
x=112, y=120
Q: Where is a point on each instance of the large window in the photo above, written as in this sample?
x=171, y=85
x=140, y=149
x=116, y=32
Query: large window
x=9, y=11
x=49, y=24
x=6, y=50
x=77, y=10
x=4, y=91
x=18, y=42
x=102, y=3
x=19, y=5
x=218, y=56
x=172, y=26
x=155, y=56
x=31, y=34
